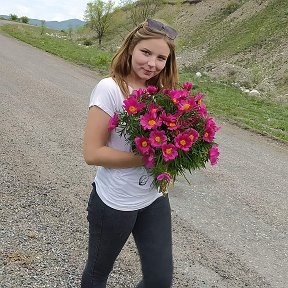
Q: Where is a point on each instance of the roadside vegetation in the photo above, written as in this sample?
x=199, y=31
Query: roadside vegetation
x=265, y=114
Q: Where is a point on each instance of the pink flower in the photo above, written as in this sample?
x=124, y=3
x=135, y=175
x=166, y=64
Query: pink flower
x=202, y=110
x=186, y=105
x=187, y=85
x=132, y=106
x=210, y=123
x=165, y=91
x=176, y=95
x=152, y=89
x=142, y=145
x=138, y=92
x=169, y=152
x=214, y=154
x=113, y=122
x=157, y=138
x=153, y=108
x=170, y=121
x=208, y=135
x=149, y=159
x=163, y=176
x=183, y=142
x=198, y=97
x=193, y=134
x=150, y=121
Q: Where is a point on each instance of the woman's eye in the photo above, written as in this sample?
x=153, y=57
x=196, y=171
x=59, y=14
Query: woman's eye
x=145, y=52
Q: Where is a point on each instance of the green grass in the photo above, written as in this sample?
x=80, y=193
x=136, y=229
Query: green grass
x=229, y=103
x=89, y=56
x=222, y=100
x=264, y=28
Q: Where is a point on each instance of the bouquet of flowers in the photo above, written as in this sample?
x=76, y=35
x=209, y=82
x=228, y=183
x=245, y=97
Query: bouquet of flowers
x=170, y=129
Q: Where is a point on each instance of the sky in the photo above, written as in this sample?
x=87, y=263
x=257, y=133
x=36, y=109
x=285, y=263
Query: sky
x=49, y=10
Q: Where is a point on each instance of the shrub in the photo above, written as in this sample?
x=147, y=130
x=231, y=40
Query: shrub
x=87, y=42
x=231, y=8
x=13, y=17
x=24, y=19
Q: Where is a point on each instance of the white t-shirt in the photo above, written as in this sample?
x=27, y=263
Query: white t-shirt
x=124, y=189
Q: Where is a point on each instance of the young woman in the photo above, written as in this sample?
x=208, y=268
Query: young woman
x=122, y=200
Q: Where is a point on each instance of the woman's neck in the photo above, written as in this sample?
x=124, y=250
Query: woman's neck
x=134, y=83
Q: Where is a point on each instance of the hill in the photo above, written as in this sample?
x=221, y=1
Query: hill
x=57, y=25
x=244, y=42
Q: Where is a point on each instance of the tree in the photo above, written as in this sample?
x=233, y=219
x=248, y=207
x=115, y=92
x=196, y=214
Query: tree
x=24, y=19
x=13, y=17
x=43, y=23
x=98, y=16
x=70, y=32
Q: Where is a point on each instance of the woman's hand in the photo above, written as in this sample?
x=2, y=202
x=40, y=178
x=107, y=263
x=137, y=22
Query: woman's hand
x=96, y=137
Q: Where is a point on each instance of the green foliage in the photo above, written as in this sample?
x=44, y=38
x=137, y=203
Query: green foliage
x=69, y=50
x=261, y=29
x=87, y=42
x=24, y=19
x=43, y=22
x=227, y=102
x=98, y=16
x=231, y=8
x=13, y=17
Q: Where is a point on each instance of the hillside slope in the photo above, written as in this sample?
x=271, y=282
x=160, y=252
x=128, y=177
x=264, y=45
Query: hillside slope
x=243, y=42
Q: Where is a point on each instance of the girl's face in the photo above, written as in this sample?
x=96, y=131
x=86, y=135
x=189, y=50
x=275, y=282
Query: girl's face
x=148, y=59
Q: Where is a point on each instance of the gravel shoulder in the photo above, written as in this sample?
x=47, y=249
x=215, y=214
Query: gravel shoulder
x=229, y=226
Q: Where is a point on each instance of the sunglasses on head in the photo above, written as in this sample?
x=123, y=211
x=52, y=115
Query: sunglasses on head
x=160, y=27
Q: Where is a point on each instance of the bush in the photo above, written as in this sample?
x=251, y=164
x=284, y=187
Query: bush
x=24, y=19
x=13, y=17
x=87, y=42
x=231, y=8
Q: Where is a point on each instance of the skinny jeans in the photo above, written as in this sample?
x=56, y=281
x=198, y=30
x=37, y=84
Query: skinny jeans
x=109, y=230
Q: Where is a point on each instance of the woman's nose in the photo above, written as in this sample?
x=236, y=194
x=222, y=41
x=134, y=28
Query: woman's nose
x=151, y=62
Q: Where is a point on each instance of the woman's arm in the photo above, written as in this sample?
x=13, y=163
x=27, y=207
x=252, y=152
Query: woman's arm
x=95, y=139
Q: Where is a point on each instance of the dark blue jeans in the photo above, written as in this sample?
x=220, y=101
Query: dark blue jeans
x=109, y=229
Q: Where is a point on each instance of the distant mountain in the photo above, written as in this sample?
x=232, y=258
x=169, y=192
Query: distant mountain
x=58, y=25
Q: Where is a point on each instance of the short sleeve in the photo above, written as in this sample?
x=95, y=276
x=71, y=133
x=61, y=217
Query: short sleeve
x=104, y=96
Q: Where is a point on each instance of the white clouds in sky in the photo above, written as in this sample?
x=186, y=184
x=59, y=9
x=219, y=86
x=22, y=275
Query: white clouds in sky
x=49, y=10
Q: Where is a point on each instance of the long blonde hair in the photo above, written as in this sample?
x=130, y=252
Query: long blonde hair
x=121, y=62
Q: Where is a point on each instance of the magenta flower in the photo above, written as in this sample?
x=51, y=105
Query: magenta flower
x=169, y=152
x=170, y=121
x=202, y=110
x=113, y=122
x=138, y=92
x=208, y=135
x=193, y=134
x=152, y=89
x=142, y=145
x=149, y=159
x=132, y=106
x=187, y=85
x=183, y=142
x=176, y=95
x=186, y=105
x=163, y=176
x=210, y=123
x=214, y=154
x=150, y=121
x=153, y=108
x=157, y=138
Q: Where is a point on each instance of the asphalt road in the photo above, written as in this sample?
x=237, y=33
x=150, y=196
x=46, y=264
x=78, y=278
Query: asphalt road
x=229, y=225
